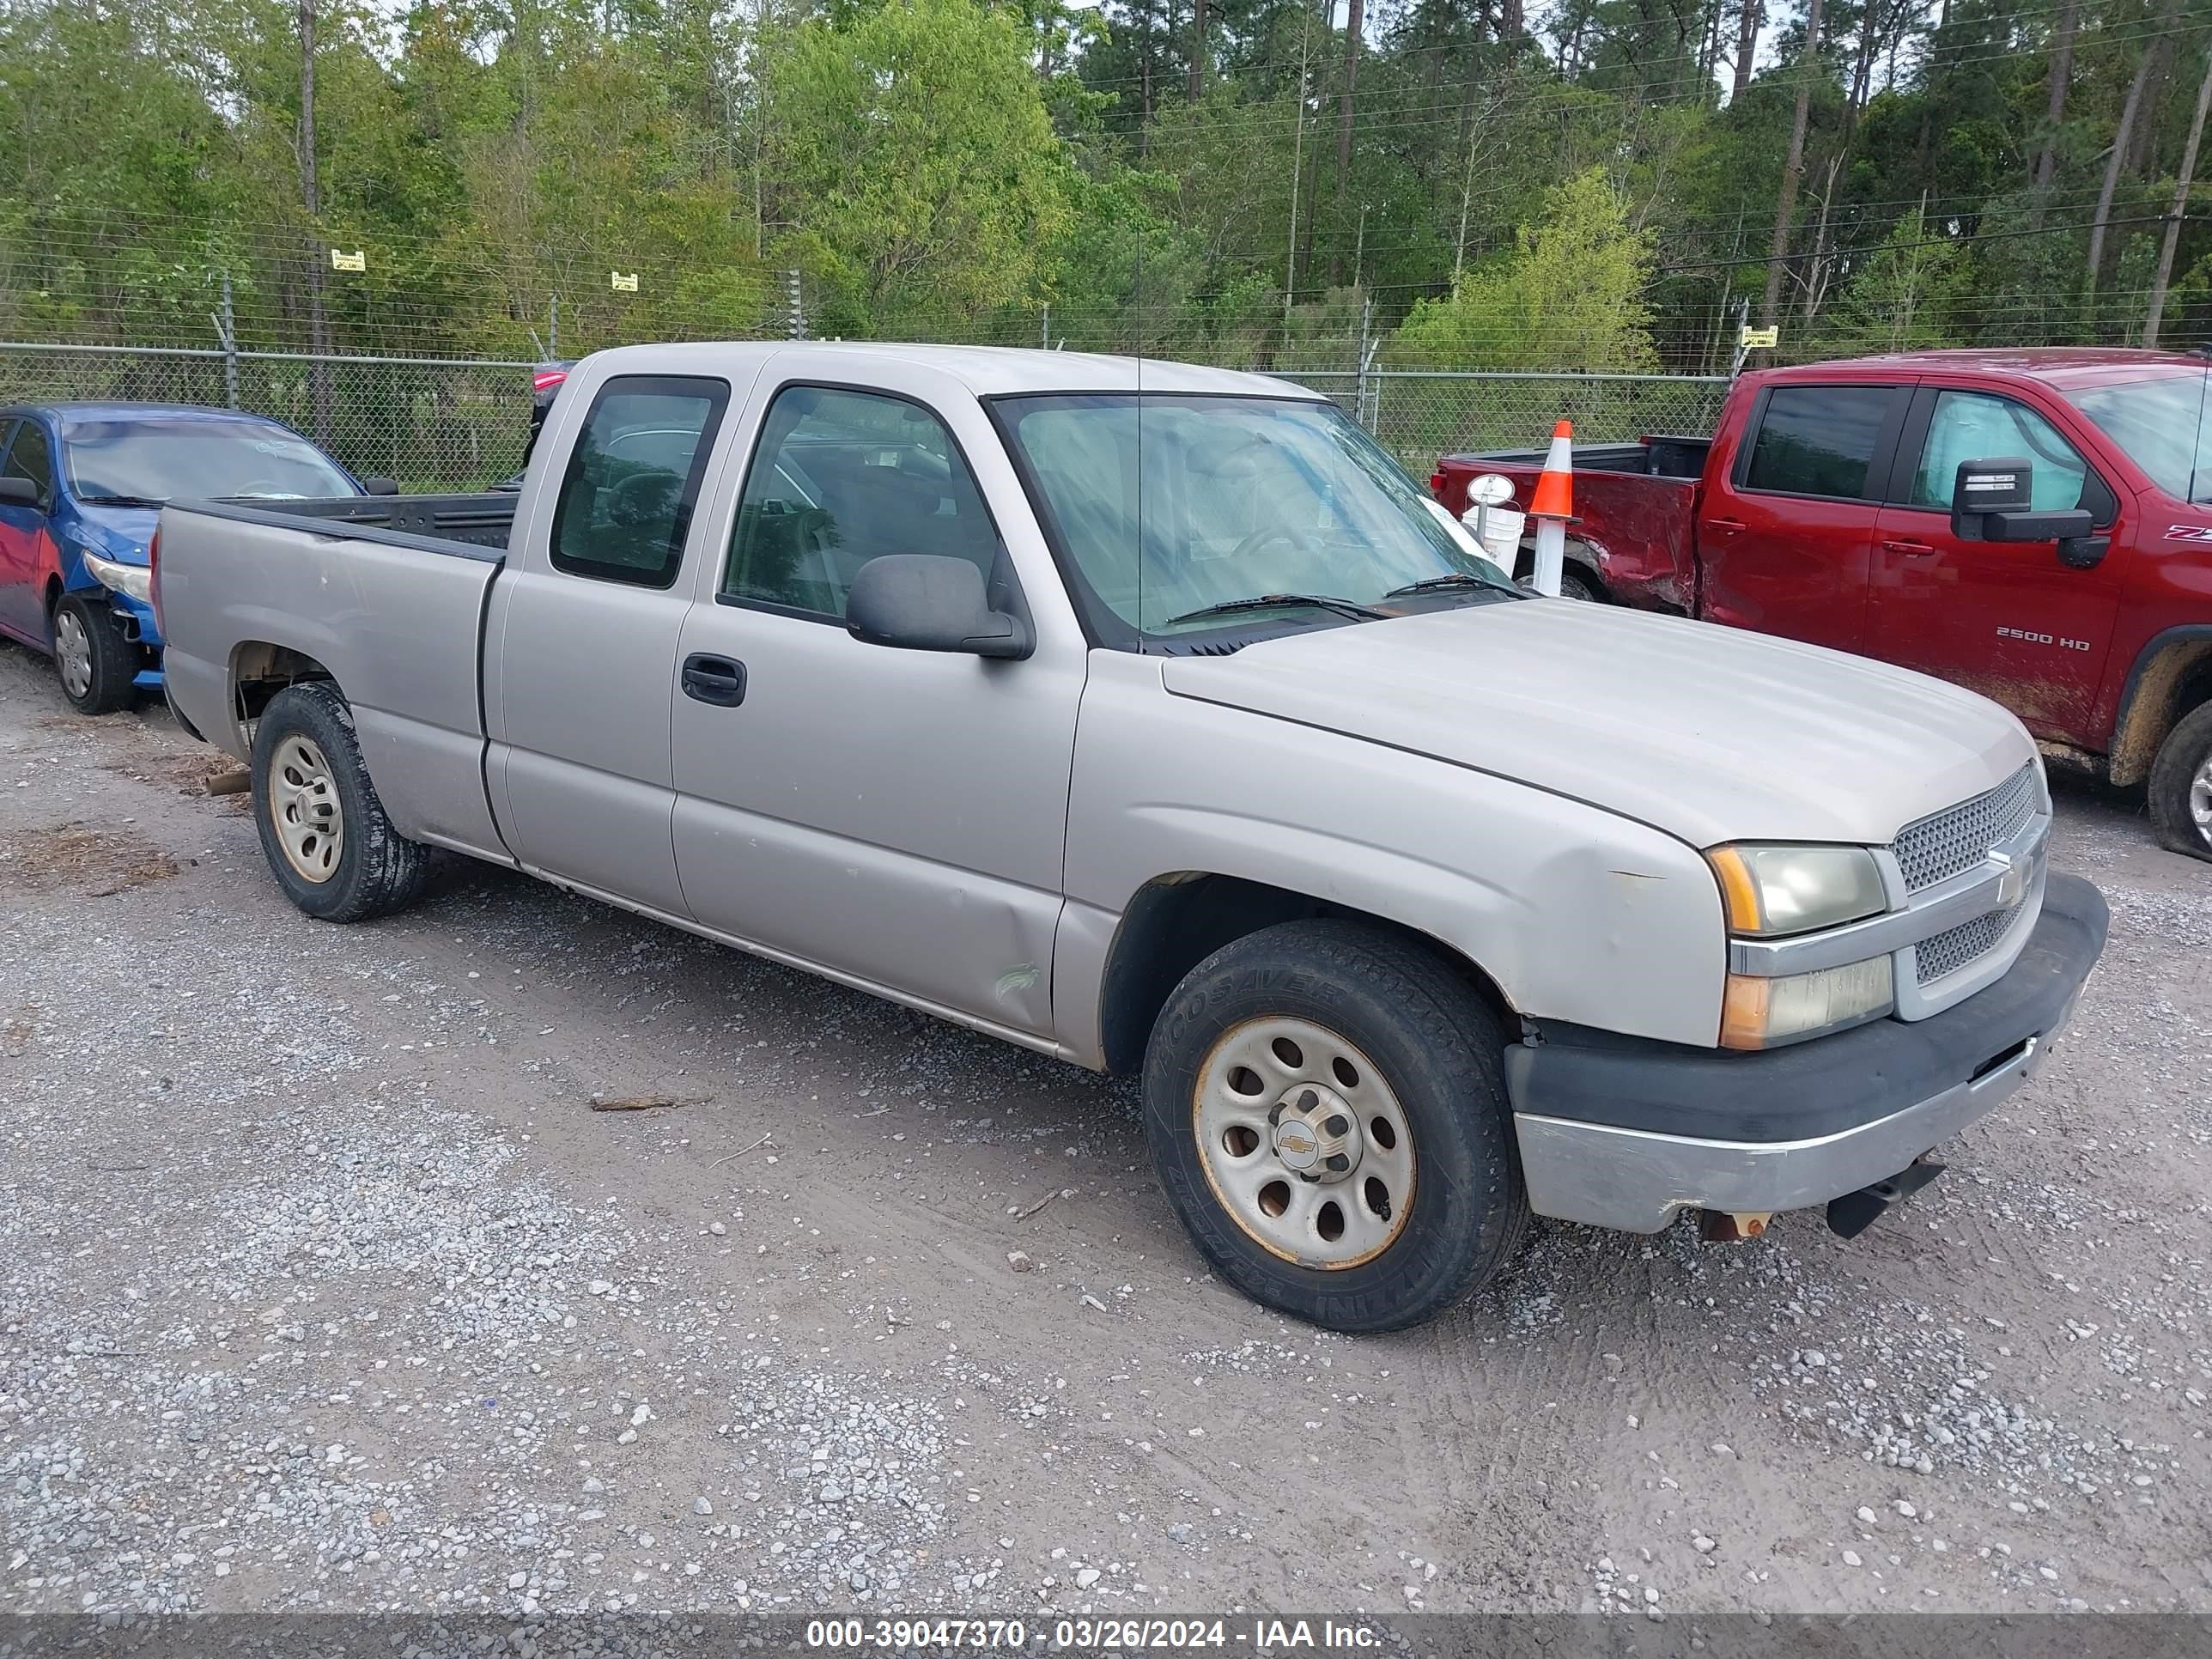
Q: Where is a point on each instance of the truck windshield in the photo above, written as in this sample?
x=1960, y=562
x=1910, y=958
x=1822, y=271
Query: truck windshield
x=1224, y=503
x=2161, y=424
x=149, y=458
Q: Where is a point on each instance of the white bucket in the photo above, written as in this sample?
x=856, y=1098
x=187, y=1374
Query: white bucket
x=1498, y=529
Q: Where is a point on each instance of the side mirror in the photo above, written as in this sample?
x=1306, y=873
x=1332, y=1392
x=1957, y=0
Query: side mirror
x=926, y=602
x=19, y=492
x=1992, y=501
x=380, y=486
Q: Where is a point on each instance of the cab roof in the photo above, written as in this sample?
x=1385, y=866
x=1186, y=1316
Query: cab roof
x=2060, y=366
x=987, y=371
x=70, y=411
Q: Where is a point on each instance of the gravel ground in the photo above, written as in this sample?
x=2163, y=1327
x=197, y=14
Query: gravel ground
x=323, y=1286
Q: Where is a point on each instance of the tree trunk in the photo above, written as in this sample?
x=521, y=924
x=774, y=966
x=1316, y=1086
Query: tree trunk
x=311, y=198
x=1794, y=164
x=1815, y=283
x=2146, y=136
x=1355, y=18
x=1747, y=45
x=1199, y=56
x=2180, y=206
x=1510, y=24
x=2054, y=113
x=2114, y=160
x=1927, y=152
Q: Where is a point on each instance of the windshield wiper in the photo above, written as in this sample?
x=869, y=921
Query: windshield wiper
x=122, y=501
x=1450, y=579
x=1351, y=608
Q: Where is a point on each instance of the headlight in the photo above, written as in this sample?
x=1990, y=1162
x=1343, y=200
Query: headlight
x=1772, y=889
x=1765, y=1013
x=135, y=580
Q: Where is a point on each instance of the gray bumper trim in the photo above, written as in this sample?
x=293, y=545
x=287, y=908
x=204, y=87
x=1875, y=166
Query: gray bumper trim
x=1637, y=1181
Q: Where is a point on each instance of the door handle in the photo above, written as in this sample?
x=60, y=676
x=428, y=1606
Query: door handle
x=1910, y=549
x=717, y=680
x=1726, y=527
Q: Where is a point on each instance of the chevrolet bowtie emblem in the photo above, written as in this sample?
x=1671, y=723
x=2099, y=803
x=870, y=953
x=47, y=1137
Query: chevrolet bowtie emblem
x=2012, y=884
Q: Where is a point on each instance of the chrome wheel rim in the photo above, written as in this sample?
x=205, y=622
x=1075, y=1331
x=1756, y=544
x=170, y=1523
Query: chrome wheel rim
x=72, y=654
x=2200, y=799
x=1303, y=1143
x=303, y=805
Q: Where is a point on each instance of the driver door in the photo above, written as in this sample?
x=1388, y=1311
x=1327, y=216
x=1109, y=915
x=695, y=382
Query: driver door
x=24, y=453
x=893, y=818
x=2003, y=618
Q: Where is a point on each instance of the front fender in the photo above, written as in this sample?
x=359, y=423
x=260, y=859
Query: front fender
x=1576, y=913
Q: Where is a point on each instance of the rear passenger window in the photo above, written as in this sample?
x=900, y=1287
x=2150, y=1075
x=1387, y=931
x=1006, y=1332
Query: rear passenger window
x=1818, y=439
x=841, y=477
x=626, y=501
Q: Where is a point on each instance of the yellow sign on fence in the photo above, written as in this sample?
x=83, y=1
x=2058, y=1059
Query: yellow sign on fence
x=624, y=282
x=356, y=260
x=1759, y=339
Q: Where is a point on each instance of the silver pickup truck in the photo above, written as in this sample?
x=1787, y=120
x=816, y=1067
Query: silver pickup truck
x=1173, y=732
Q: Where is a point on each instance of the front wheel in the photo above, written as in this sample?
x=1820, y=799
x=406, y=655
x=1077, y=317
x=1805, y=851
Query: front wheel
x=323, y=829
x=2181, y=785
x=97, y=667
x=1326, y=1107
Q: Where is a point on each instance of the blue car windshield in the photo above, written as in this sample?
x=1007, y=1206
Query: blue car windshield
x=152, y=459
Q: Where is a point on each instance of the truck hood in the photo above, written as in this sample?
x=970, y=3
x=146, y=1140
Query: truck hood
x=1707, y=732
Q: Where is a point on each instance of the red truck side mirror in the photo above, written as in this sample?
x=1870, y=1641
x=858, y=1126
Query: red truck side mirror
x=1992, y=501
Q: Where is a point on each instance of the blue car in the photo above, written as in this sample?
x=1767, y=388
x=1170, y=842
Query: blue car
x=82, y=486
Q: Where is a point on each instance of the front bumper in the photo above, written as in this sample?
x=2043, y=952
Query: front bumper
x=1624, y=1132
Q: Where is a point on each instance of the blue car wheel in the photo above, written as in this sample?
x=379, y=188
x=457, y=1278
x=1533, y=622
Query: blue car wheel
x=96, y=664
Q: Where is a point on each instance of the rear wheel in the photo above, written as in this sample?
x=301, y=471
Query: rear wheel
x=1575, y=583
x=97, y=667
x=323, y=830
x=1326, y=1106
x=2181, y=785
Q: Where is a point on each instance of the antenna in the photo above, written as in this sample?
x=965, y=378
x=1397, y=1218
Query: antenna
x=1137, y=310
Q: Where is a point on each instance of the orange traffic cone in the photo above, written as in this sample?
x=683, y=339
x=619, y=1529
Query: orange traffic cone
x=1555, y=490
x=1553, y=507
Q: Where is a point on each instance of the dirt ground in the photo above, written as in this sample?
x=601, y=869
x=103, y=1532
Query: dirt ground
x=323, y=1285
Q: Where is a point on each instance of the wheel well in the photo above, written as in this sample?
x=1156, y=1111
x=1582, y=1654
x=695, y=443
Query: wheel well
x=53, y=595
x=1176, y=922
x=259, y=670
x=1578, y=553
x=2175, y=679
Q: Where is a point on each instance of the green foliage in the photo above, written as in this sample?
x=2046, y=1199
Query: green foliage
x=1568, y=296
x=1906, y=297
x=917, y=137
x=1579, y=186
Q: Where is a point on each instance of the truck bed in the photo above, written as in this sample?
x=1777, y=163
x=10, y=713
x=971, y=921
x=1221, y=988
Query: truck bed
x=385, y=594
x=474, y=525
x=1635, y=511
x=1665, y=456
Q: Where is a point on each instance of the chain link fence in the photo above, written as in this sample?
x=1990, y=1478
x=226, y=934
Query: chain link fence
x=455, y=423
x=1419, y=415
x=432, y=423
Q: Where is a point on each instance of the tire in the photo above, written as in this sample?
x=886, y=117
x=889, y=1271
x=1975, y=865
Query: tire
x=1426, y=1066
x=2181, y=785
x=96, y=665
x=1575, y=583
x=323, y=830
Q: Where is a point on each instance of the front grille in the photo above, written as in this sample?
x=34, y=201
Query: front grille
x=1964, y=946
x=1953, y=841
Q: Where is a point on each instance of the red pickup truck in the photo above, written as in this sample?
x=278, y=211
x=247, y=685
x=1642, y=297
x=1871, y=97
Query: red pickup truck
x=2036, y=525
